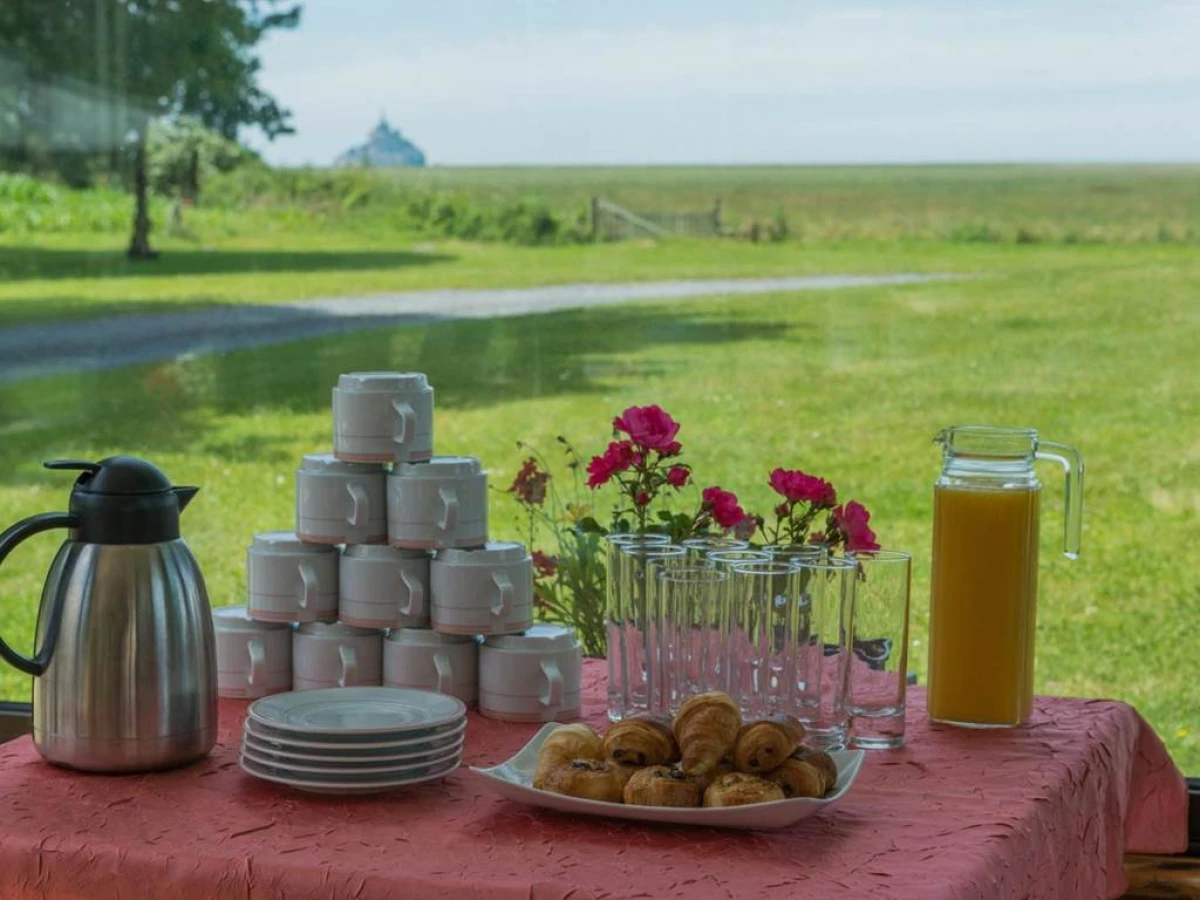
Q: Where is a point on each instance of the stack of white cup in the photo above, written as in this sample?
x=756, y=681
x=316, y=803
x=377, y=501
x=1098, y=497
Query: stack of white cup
x=389, y=577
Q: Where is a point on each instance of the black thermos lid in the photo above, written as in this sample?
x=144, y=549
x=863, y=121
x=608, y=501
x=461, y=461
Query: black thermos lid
x=124, y=500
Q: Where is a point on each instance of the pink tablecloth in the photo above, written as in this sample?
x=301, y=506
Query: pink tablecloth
x=1043, y=811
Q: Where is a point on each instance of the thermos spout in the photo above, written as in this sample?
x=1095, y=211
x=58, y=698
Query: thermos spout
x=185, y=495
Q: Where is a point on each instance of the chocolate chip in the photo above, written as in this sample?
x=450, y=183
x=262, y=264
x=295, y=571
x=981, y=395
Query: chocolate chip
x=754, y=762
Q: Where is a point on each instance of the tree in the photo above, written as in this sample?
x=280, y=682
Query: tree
x=138, y=60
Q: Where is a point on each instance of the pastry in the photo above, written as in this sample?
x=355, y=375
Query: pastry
x=764, y=745
x=591, y=779
x=706, y=728
x=740, y=789
x=662, y=786
x=724, y=767
x=823, y=763
x=798, y=778
x=565, y=743
x=641, y=741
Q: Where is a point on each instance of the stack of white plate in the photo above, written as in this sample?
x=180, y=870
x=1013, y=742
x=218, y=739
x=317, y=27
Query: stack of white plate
x=353, y=740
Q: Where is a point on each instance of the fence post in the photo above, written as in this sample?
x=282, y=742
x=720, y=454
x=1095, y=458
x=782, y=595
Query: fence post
x=716, y=217
x=595, y=218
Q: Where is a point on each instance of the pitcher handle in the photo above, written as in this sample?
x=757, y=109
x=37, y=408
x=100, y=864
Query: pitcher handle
x=8, y=540
x=1072, y=462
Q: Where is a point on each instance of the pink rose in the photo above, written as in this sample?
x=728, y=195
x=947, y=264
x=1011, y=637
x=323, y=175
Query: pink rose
x=544, y=565
x=617, y=457
x=726, y=511
x=782, y=510
x=677, y=476
x=852, y=520
x=642, y=499
x=800, y=487
x=649, y=427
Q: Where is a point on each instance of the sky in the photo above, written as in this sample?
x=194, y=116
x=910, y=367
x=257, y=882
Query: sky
x=569, y=82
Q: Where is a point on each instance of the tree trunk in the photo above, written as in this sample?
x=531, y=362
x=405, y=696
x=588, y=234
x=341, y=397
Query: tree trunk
x=139, y=243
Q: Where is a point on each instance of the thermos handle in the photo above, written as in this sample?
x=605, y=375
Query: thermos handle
x=1072, y=462
x=445, y=674
x=449, y=519
x=8, y=540
x=406, y=426
x=416, y=595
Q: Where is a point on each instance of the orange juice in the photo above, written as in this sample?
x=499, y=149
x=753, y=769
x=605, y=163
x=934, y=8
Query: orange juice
x=983, y=610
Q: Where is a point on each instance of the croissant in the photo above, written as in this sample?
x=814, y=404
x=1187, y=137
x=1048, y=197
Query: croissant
x=706, y=728
x=662, y=786
x=740, y=789
x=565, y=743
x=764, y=745
x=641, y=741
x=591, y=779
x=823, y=763
x=798, y=778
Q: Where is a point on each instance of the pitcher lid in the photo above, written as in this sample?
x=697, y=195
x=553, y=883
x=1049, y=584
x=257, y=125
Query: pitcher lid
x=440, y=467
x=535, y=639
x=489, y=554
x=383, y=382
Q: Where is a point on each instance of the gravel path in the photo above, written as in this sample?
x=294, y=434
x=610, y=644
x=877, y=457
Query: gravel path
x=28, y=351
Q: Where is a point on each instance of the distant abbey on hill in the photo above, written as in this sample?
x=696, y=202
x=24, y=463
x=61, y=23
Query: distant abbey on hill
x=385, y=146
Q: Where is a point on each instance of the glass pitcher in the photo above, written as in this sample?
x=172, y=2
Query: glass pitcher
x=983, y=609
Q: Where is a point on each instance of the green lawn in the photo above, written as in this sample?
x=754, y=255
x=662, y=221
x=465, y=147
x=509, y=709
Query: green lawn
x=1093, y=344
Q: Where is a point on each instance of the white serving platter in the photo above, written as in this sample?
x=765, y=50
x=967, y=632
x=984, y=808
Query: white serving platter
x=358, y=712
x=512, y=779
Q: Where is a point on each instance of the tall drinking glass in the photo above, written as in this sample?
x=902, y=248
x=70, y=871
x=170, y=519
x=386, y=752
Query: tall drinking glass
x=699, y=548
x=637, y=566
x=762, y=601
x=617, y=617
x=797, y=553
x=725, y=560
x=819, y=649
x=875, y=693
x=690, y=599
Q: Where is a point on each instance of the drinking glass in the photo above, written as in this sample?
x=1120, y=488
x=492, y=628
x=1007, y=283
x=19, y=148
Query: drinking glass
x=725, y=560
x=615, y=616
x=699, y=548
x=875, y=692
x=796, y=553
x=762, y=600
x=819, y=649
x=690, y=602
x=632, y=626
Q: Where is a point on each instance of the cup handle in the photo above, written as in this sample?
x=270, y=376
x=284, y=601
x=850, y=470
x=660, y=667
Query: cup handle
x=406, y=427
x=258, y=662
x=349, y=676
x=309, y=586
x=361, y=510
x=553, y=697
x=445, y=681
x=504, y=604
x=416, y=595
x=449, y=520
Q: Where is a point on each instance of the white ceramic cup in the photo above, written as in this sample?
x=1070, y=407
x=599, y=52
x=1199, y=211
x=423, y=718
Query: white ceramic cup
x=532, y=677
x=446, y=663
x=340, y=502
x=288, y=580
x=383, y=417
x=384, y=587
x=253, y=658
x=484, y=591
x=441, y=503
x=330, y=654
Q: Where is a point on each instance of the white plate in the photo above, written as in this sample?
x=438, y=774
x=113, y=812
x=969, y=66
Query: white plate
x=334, y=772
x=286, y=754
x=344, y=787
x=359, y=711
x=512, y=779
x=286, y=740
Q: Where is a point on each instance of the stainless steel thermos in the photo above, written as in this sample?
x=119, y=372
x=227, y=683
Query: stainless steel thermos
x=124, y=662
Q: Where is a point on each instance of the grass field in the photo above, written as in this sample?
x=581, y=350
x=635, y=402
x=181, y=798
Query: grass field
x=1093, y=343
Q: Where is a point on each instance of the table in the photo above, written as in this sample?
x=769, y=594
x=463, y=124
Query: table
x=1043, y=811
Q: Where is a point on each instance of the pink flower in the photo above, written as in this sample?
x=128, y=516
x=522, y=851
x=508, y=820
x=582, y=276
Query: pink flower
x=724, y=506
x=677, y=476
x=530, y=483
x=782, y=510
x=642, y=499
x=800, y=487
x=649, y=427
x=544, y=566
x=672, y=449
x=618, y=457
x=852, y=521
